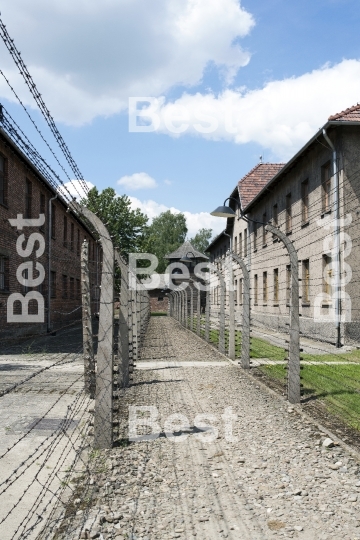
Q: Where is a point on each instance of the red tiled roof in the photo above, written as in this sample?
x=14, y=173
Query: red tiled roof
x=253, y=182
x=352, y=114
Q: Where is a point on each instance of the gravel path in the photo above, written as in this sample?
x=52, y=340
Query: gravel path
x=265, y=475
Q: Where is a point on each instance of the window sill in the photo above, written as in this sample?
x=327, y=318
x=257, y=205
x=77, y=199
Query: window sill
x=288, y=233
x=264, y=245
x=275, y=305
x=255, y=250
x=287, y=304
x=256, y=304
x=264, y=305
x=326, y=305
x=305, y=304
x=305, y=224
x=4, y=205
x=323, y=214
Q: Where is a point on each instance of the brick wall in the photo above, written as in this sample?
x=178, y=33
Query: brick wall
x=65, y=255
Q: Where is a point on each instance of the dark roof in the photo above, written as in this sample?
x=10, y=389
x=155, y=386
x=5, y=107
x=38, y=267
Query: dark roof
x=255, y=180
x=352, y=114
x=185, y=249
x=216, y=239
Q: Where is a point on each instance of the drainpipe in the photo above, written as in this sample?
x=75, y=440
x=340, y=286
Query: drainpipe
x=49, y=264
x=337, y=268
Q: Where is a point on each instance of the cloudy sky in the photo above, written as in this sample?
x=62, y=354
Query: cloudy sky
x=210, y=84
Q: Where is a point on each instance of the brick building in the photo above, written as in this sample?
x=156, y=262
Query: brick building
x=315, y=200
x=27, y=266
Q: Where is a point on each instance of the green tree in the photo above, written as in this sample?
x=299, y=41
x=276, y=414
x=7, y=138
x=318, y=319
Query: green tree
x=201, y=239
x=166, y=233
x=126, y=226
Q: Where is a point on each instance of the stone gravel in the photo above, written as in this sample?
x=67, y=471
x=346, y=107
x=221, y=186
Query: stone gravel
x=270, y=476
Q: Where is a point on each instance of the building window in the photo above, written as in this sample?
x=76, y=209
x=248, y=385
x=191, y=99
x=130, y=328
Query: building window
x=276, y=285
x=255, y=236
x=42, y=209
x=78, y=289
x=24, y=280
x=327, y=274
x=265, y=288
x=245, y=243
x=72, y=288
x=288, y=284
x=305, y=202
x=240, y=245
x=235, y=245
x=4, y=273
x=65, y=233
x=64, y=286
x=241, y=291
x=326, y=187
x=305, y=282
x=53, y=221
x=72, y=234
x=255, y=290
x=52, y=284
x=78, y=242
x=288, y=213
x=3, y=180
x=275, y=215
x=264, y=234
x=28, y=198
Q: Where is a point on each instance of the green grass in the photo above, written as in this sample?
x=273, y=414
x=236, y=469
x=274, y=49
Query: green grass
x=158, y=313
x=336, y=386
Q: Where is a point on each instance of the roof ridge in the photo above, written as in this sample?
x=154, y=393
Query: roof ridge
x=345, y=112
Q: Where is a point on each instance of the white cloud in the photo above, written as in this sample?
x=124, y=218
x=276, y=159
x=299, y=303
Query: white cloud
x=195, y=221
x=75, y=189
x=137, y=181
x=168, y=182
x=281, y=116
x=88, y=57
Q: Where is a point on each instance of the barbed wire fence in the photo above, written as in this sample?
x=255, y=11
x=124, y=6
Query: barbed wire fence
x=276, y=334
x=59, y=391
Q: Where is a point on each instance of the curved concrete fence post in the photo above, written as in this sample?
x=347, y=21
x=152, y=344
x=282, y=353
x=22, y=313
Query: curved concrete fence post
x=222, y=309
x=88, y=347
x=231, y=348
x=245, y=338
x=186, y=308
x=191, y=308
x=207, y=314
x=294, y=393
x=198, y=309
x=123, y=336
x=103, y=418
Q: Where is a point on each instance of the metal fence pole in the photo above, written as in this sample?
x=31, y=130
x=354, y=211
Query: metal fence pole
x=103, y=417
x=192, y=308
x=294, y=393
x=88, y=347
x=245, y=337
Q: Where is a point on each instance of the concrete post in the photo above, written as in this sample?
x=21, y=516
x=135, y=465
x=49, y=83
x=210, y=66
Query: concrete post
x=198, y=309
x=123, y=336
x=207, y=314
x=294, y=348
x=231, y=351
x=245, y=338
x=103, y=417
x=191, y=308
x=222, y=309
x=88, y=348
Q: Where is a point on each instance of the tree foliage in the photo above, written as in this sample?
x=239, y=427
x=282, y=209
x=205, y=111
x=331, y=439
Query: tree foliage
x=126, y=226
x=166, y=233
x=201, y=239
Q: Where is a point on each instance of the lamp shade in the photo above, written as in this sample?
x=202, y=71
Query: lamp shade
x=223, y=211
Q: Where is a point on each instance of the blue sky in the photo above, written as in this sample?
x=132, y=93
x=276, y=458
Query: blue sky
x=275, y=69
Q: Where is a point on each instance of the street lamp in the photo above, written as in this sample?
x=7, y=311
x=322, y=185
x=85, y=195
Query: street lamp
x=187, y=259
x=225, y=211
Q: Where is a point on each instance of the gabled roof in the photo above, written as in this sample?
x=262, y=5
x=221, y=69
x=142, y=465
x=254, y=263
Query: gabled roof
x=255, y=180
x=183, y=250
x=352, y=114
